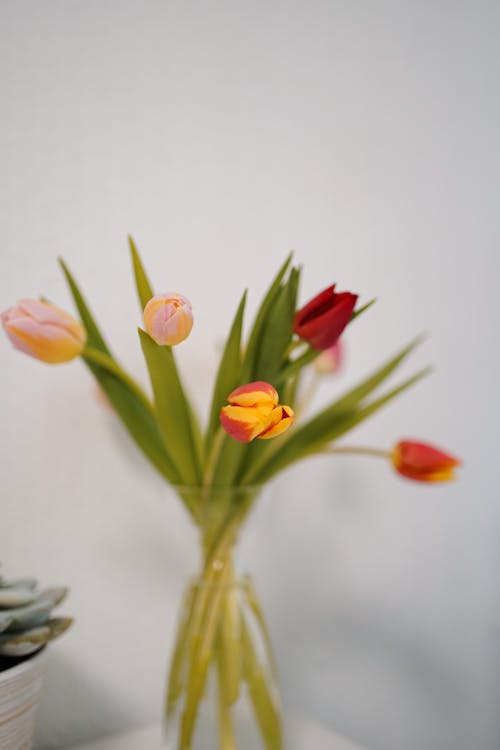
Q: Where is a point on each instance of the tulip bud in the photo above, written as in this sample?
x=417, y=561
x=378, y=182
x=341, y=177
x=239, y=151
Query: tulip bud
x=323, y=319
x=168, y=318
x=254, y=412
x=422, y=462
x=44, y=331
x=330, y=360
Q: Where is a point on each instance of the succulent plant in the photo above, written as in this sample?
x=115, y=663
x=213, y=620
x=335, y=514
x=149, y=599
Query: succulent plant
x=25, y=618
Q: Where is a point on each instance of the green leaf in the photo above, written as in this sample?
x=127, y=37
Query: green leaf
x=172, y=409
x=260, y=324
x=278, y=331
x=108, y=363
x=318, y=429
x=144, y=288
x=137, y=419
x=228, y=464
x=293, y=367
x=228, y=375
x=232, y=453
x=340, y=425
x=353, y=397
x=129, y=405
x=94, y=336
x=363, y=309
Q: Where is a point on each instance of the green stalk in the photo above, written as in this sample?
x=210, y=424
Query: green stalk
x=266, y=706
x=230, y=636
x=176, y=679
x=226, y=732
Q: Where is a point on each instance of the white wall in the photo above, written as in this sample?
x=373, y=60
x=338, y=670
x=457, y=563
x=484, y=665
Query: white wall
x=221, y=134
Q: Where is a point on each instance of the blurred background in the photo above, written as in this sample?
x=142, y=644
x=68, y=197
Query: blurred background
x=221, y=135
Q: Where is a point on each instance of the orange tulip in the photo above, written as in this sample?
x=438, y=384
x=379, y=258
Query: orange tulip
x=423, y=462
x=44, y=331
x=254, y=412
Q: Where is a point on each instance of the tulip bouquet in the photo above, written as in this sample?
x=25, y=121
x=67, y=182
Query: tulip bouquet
x=218, y=472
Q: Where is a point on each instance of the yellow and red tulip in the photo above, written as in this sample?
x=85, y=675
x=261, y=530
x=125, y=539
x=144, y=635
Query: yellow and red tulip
x=44, y=331
x=254, y=412
x=423, y=462
x=168, y=318
x=323, y=319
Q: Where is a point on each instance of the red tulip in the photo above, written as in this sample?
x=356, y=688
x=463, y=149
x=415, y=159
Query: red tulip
x=323, y=319
x=422, y=462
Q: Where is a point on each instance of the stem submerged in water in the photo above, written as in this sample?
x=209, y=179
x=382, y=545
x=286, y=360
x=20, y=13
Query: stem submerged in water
x=222, y=633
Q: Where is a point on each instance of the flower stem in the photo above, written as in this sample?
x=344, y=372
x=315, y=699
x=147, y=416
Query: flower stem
x=213, y=457
x=358, y=450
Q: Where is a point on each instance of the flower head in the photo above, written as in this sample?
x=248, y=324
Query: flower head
x=168, y=318
x=44, y=331
x=323, y=319
x=423, y=462
x=330, y=360
x=254, y=412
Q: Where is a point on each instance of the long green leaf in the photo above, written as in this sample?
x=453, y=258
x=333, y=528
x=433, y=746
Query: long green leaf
x=228, y=375
x=260, y=323
x=137, y=419
x=145, y=292
x=172, y=409
x=143, y=286
x=232, y=453
x=340, y=425
x=278, y=331
x=313, y=430
x=128, y=404
x=363, y=309
x=94, y=336
x=108, y=363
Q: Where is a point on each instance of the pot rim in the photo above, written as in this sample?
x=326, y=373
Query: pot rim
x=28, y=664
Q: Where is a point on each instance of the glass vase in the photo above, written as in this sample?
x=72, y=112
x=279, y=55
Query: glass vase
x=222, y=691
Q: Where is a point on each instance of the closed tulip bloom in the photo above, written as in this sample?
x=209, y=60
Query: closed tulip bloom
x=423, y=462
x=44, y=331
x=330, y=360
x=168, y=318
x=254, y=412
x=323, y=319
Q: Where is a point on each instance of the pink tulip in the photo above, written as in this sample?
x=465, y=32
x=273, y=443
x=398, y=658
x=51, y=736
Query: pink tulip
x=168, y=318
x=330, y=360
x=44, y=331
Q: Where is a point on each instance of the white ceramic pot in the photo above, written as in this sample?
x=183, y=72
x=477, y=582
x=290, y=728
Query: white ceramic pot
x=20, y=688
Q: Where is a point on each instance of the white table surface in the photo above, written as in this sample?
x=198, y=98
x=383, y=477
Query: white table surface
x=301, y=734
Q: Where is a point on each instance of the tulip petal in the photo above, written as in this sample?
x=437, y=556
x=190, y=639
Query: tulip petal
x=319, y=304
x=281, y=419
x=423, y=462
x=44, y=331
x=254, y=394
x=324, y=330
x=244, y=423
x=168, y=318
